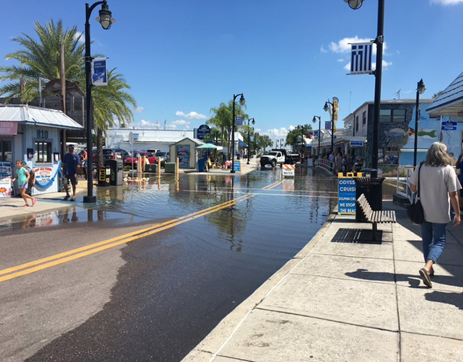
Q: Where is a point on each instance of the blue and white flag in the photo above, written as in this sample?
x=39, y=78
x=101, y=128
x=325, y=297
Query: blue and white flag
x=99, y=72
x=239, y=121
x=361, y=57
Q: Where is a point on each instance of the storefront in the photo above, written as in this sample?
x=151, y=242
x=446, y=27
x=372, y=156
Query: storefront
x=32, y=135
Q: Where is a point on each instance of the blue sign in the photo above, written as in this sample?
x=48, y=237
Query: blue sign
x=239, y=121
x=449, y=126
x=99, y=72
x=356, y=143
x=346, y=196
x=237, y=166
x=202, y=131
x=315, y=133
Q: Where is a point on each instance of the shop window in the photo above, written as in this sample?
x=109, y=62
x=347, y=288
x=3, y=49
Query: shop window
x=398, y=115
x=42, y=152
x=5, y=151
x=364, y=118
x=357, y=124
x=385, y=115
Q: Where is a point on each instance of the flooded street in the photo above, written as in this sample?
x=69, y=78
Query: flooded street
x=222, y=237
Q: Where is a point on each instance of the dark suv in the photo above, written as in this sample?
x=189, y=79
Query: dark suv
x=111, y=154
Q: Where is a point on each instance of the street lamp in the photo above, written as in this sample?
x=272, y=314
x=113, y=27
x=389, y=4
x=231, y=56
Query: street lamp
x=249, y=137
x=420, y=89
x=314, y=120
x=242, y=102
x=326, y=108
x=106, y=20
x=379, y=41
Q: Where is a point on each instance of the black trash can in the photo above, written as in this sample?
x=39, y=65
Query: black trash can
x=116, y=172
x=372, y=188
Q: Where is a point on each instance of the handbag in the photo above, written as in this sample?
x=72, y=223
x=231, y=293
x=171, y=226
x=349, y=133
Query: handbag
x=415, y=210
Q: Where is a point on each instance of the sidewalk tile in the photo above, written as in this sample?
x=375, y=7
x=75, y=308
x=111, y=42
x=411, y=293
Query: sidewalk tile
x=432, y=312
x=411, y=251
x=268, y=336
x=418, y=348
x=347, y=301
x=345, y=267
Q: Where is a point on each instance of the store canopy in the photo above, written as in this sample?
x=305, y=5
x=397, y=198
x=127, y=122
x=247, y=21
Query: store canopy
x=450, y=101
x=37, y=116
x=242, y=144
x=207, y=146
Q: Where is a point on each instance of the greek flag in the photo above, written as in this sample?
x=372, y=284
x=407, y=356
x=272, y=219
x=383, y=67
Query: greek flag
x=361, y=58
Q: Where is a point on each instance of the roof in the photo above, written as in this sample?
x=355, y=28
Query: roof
x=450, y=101
x=37, y=116
x=194, y=140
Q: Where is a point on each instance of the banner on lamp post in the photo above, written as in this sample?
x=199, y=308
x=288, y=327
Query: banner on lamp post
x=361, y=57
x=99, y=72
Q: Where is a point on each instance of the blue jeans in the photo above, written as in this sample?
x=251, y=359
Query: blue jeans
x=434, y=239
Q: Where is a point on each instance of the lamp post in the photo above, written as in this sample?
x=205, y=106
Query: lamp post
x=356, y=4
x=249, y=137
x=242, y=102
x=314, y=120
x=326, y=108
x=105, y=19
x=420, y=89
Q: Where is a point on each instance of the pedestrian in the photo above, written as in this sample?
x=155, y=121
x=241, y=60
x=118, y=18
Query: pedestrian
x=338, y=162
x=22, y=175
x=438, y=189
x=83, y=161
x=71, y=163
x=459, y=167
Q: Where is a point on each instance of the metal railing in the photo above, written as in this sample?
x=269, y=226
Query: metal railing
x=325, y=165
x=403, y=185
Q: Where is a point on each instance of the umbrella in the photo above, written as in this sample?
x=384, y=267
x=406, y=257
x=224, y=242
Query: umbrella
x=207, y=146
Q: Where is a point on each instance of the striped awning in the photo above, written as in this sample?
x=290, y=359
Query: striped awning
x=37, y=116
x=450, y=101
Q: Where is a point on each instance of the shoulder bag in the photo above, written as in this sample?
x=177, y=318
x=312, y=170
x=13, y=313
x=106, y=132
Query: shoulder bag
x=415, y=210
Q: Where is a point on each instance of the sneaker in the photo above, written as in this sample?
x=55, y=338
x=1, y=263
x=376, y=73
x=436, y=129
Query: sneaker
x=66, y=198
x=34, y=201
x=425, y=277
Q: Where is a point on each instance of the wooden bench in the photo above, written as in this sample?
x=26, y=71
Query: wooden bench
x=375, y=217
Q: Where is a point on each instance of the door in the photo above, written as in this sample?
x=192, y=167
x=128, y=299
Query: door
x=5, y=151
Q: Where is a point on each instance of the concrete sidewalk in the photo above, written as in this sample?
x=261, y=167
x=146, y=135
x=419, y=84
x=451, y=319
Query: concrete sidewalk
x=344, y=301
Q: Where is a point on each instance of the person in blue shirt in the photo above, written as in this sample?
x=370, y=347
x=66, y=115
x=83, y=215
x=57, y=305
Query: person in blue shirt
x=71, y=163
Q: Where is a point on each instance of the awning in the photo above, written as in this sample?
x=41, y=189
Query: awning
x=242, y=144
x=450, y=101
x=37, y=116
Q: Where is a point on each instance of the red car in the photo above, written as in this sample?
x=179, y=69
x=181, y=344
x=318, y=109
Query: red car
x=151, y=158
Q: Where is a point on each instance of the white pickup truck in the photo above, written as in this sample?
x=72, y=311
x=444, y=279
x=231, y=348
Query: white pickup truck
x=271, y=159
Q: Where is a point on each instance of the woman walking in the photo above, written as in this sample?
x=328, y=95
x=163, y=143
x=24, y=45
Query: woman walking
x=438, y=189
x=22, y=175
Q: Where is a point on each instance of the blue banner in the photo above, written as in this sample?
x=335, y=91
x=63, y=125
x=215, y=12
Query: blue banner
x=346, y=196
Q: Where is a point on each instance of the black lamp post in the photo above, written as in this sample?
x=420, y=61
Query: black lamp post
x=420, y=89
x=249, y=137
x=314, y=120
x=105, y=19
x=326, y=108
x=242, y=102
x=379, y=41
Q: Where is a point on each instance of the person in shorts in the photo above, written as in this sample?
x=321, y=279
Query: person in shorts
x=22, y=175
x=71, y=163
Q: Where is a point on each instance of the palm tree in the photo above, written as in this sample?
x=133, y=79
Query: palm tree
x=222, y=119
x=41, y=58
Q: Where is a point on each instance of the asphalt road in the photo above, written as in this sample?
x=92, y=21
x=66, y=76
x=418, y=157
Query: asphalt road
x=150, y=297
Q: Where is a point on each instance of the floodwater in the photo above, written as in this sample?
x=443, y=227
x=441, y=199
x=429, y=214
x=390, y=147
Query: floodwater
x=177, y=285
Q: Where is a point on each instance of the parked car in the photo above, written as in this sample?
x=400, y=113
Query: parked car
x=151, y=158
x=111, y=154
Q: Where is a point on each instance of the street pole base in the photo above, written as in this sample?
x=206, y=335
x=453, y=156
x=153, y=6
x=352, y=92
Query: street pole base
x=89, y=199
x=232, y=171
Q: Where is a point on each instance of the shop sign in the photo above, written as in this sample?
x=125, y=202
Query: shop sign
x=449, y=126
x=5, y=179
x=347, y=201
x=8, y=128
x=43, y=175
x=237, y=166
x=356, y=143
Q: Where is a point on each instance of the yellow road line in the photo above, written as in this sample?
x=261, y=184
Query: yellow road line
x=271, y=186
x=106, y=244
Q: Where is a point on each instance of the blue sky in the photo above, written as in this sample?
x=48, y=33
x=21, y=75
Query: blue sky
x=183, y=57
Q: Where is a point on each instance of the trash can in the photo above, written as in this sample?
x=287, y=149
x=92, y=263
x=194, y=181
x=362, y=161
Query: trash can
x=169, y=167
x=115, y=172
x=372, y=188
x=201, y=165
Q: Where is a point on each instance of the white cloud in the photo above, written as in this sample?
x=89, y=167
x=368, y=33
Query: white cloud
x=184, y=124
x=191, y=115
x=323, y=50
x=340, y=60
x=80, y=36
x=147, y=124
x=446, y=2
x=139, y=109
x=277, y=132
